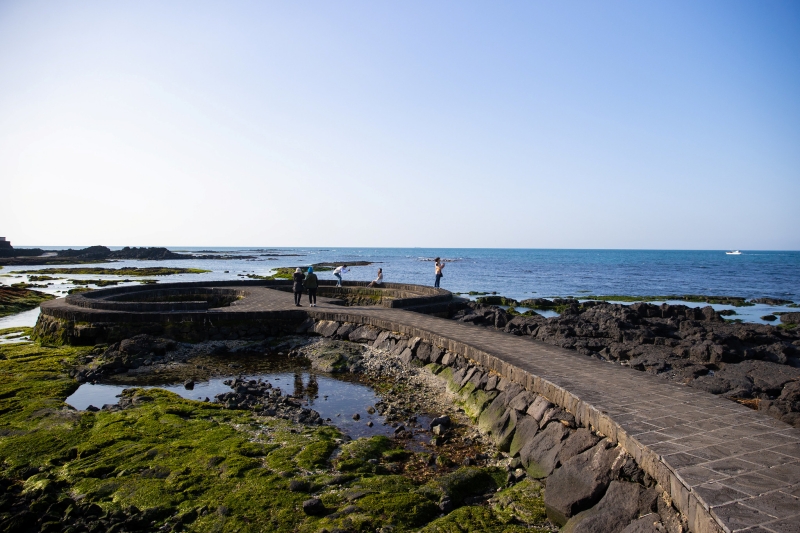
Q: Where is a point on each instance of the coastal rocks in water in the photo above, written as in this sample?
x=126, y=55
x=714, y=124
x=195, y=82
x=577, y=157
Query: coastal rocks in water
x=261, y=397
x=790, y=318
x=18, y=299
x=771, y=301
x=693, y=346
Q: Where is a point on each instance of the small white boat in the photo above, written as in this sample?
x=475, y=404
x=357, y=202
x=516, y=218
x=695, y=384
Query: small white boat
x=734, y=252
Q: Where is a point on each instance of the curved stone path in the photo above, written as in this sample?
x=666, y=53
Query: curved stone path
x=726, y=467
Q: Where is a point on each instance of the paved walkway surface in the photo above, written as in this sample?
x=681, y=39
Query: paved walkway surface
x=741, y=465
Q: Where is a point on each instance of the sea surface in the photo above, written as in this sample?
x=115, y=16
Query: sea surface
x=515, y=273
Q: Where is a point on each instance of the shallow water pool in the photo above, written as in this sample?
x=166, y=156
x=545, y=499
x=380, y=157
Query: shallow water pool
x=332, y=397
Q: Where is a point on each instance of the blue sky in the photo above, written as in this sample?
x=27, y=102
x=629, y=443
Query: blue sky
x=453, y=124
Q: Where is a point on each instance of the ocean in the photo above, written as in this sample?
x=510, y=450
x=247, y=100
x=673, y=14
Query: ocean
x=523, y=273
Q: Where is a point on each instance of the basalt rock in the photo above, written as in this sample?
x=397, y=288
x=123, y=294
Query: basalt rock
x=539, y=455
x=261, y=397
x=689, y=345
x=790, y=318
x=622, y=503
x=124, y=355
x=581, y=481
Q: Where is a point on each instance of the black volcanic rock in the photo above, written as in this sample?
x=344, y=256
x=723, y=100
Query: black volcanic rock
x=694, y=346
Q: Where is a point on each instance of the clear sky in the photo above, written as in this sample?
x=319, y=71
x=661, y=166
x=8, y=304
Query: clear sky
x=531, y=124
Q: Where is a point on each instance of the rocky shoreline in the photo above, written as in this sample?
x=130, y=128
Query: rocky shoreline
x=591, y=484
x=446, y=457
x=758, y=365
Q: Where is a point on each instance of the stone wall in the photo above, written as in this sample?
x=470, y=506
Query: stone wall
x=593, y=483
x=106, y=328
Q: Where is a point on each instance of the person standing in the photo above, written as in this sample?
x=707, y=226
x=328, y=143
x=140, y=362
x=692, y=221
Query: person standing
x=377, y=282
x=311, y=284
x=438, y=267
x=297, y=287
x=338, y=273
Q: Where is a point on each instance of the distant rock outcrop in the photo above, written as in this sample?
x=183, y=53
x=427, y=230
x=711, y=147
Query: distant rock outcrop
x=105, y=253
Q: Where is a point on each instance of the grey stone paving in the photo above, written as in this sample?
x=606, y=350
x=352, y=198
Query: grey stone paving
x=726, y=467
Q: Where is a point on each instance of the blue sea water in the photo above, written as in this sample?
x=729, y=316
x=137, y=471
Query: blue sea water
x=525, y=273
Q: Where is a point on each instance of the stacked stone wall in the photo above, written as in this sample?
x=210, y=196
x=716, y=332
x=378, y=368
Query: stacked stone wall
x=591, y=479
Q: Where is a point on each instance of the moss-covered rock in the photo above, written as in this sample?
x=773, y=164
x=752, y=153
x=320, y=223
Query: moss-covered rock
x=17, y=299
x=467, y=481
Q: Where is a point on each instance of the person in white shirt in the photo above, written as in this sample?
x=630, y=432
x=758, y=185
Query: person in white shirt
x=338, y=271
x=377, y=282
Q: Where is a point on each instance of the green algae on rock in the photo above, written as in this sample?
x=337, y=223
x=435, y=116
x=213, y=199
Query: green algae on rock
x=162, y=461
x=15, y=300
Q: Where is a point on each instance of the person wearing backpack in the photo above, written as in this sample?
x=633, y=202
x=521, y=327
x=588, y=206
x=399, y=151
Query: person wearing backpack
x=311, y=283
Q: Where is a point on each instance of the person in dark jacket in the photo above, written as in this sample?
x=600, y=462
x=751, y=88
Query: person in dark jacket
x=311, y=284
x=298, y=278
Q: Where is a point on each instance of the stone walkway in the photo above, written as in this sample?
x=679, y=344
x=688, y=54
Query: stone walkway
x=726, y=467
x=741, y=464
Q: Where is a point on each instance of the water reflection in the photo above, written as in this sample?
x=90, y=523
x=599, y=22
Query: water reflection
x=337, y=397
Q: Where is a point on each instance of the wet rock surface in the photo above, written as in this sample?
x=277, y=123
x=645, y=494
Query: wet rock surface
x=752, y=363
x=261, y=397
x=45, y=508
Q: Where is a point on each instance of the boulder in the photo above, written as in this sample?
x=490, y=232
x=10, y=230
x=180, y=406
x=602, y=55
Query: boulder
x=448, y=358
x=527, y=428
x=578, y=442
x=622, y=503
x=539, y=406
x=539, y=455
x=512, y=390
x=503, y=431
x=522, y=401
x=477, y=401
x=424, y=352
x=344, y=330
x=790, y=318
x=491, y=414
x=307, y=324
x=382, y=340
x=313, y=506
x=398, y=348
x=581, y=481
x=649, y=523
x=557, y=414
x=326, y=328
x=364, y=334
x=413, y=343
x=467, y=376
x=407, y=356
x=477, y=379
x=499, y=422
x=436, y=355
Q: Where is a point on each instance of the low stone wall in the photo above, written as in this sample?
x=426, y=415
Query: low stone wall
x=106, y=328
x=110, y=315
x=593, y=483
